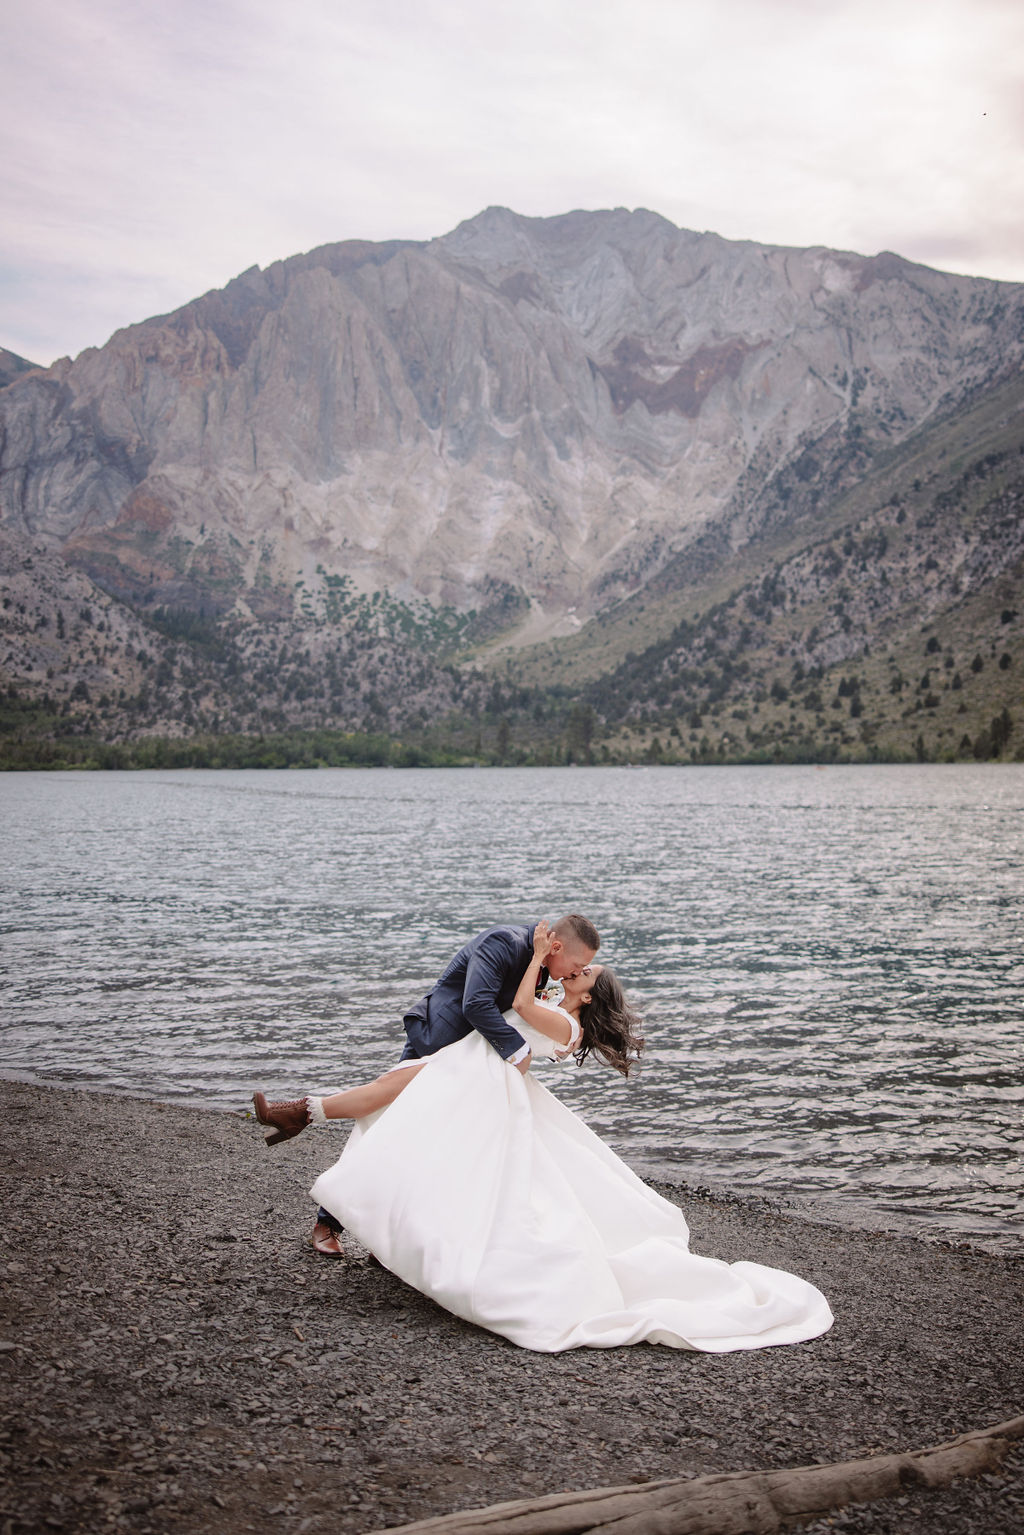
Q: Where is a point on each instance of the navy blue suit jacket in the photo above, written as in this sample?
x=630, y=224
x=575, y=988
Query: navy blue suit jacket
x=478, y=986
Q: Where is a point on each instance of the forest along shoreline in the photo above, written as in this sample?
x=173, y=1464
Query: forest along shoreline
x=173, y=1355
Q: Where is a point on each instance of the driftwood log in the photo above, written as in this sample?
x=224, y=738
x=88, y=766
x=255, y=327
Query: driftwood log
x=735, y=1503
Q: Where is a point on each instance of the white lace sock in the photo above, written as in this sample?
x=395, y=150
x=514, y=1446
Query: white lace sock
x=316, y=1111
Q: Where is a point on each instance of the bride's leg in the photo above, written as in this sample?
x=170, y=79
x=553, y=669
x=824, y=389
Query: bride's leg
x=355, y=1102
x=282, y=1121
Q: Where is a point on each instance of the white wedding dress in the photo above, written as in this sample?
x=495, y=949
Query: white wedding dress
x=484, y=1192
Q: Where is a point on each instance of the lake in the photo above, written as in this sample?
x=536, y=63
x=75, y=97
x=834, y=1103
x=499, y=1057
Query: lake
x=828, y=960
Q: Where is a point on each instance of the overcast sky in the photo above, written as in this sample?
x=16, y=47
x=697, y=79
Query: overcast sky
x=152, y=151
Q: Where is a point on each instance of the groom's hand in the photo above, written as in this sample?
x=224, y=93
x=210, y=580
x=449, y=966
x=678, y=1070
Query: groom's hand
x=524, y=1065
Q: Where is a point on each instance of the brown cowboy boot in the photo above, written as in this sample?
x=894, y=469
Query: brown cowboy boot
x=283, y=1120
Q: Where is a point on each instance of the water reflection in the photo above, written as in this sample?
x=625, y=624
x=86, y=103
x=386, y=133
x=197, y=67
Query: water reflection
x=828, y=962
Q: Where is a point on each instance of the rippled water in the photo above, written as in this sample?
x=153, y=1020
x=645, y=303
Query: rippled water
x=828, y=961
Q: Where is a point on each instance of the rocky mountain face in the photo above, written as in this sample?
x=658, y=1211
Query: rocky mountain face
x=561, y=405
x=12, y=366
x=375, y=457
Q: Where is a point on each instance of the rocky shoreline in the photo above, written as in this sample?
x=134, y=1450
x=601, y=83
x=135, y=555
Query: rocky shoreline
x=174, y=1356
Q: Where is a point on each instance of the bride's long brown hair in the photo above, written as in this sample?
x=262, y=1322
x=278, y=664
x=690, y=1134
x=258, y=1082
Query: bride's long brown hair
x=610, y=1026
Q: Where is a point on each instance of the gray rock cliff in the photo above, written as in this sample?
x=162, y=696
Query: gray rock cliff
x=12, y=366
x=549, y=409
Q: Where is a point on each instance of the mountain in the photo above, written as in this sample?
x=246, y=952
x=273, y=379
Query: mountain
x=12, y=366
x=891, y=624
x=552, y=445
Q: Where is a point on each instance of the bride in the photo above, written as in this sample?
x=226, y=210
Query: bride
x=470, y=1181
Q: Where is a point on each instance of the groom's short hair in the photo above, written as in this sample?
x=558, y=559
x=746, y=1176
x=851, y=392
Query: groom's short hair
x=578, y=931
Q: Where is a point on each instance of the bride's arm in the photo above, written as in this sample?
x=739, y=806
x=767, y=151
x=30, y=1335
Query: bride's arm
x=546, y=1020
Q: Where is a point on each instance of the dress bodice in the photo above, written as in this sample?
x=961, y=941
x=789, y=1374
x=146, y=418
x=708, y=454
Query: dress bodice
x=543, y=1048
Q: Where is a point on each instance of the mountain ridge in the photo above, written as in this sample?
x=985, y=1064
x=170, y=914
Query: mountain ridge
x=515, y=432
x=13, y=367
x=603, y=428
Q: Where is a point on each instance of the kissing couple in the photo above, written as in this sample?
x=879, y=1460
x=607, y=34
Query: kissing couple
x=468, y=1179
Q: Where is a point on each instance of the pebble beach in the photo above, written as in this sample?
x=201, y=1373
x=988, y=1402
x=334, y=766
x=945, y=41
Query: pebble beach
x=174, y=1356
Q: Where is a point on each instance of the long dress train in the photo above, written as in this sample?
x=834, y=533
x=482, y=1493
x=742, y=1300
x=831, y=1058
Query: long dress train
x=482, y=1190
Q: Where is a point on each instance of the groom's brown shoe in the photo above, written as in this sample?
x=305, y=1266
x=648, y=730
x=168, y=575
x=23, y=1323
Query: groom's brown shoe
x=327, y=1241
x=282, y=1120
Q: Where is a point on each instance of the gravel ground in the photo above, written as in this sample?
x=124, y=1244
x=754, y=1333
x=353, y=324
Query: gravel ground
x=175, y=1357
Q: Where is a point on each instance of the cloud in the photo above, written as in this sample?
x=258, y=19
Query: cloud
x=154, y=152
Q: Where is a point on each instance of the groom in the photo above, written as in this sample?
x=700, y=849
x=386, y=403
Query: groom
x=477, y=987
x=480, y=982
